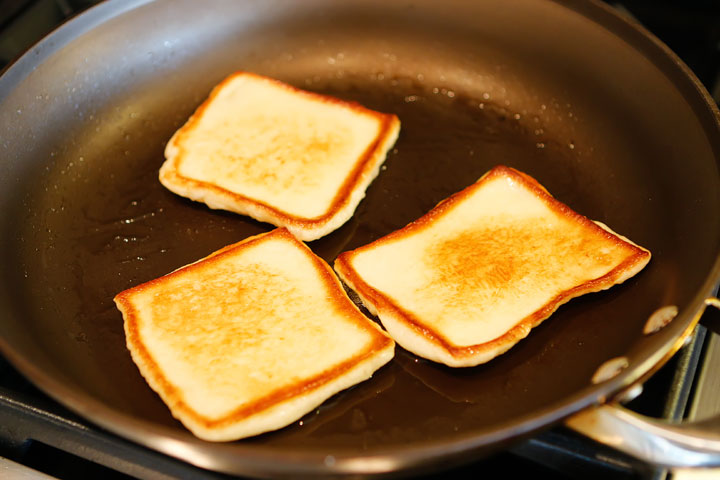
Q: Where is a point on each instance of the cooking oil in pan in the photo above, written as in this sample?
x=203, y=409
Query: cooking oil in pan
x=118, y=226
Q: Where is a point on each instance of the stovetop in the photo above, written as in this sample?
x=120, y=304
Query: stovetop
x=41, y=435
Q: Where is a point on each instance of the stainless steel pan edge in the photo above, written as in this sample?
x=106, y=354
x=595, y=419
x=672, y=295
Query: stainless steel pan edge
x=256, y=461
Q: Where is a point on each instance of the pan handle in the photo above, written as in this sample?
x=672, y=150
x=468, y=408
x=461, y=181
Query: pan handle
x=672, y=445
x=694, y=444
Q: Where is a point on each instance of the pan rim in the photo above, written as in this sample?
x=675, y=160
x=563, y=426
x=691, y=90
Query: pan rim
x=67, y=31
x=402, y=457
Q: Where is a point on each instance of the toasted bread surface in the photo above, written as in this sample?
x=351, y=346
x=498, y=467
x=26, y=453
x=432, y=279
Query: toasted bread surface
x=468, y=280
x=250, y=338
x=281, y=155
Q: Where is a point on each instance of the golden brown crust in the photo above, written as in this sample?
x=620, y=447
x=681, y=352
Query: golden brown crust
x=364, y=165
x=381, y=302
x=171, y=394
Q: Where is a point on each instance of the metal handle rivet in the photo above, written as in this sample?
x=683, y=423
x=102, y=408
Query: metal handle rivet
x=610, y=369
x=660, y=318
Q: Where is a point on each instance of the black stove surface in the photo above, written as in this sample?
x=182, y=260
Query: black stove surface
x=37, y=432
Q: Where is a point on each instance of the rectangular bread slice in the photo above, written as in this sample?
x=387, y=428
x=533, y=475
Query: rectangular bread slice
x=250, y=338
x=278, y=154
x=468, y=280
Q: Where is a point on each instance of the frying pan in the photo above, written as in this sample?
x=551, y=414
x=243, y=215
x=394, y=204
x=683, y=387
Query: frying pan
x=594, y=107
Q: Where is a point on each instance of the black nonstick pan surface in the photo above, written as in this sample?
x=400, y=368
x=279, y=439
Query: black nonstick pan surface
x=600, y=113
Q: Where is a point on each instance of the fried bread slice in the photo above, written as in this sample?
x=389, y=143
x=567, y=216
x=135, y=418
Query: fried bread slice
x=250, y=338
x=469, y=279
x=278, y=154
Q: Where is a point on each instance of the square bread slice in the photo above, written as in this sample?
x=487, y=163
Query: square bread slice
x=278, y=154
x=469, y=279
x=250, y=338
